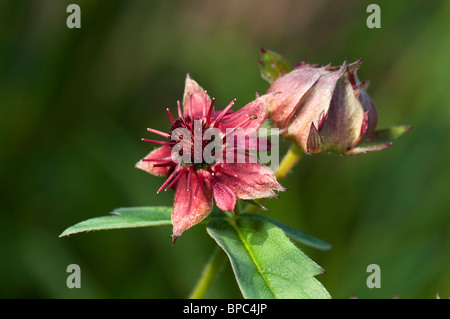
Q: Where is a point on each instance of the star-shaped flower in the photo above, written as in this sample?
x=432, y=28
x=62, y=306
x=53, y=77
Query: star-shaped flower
x=200, y=167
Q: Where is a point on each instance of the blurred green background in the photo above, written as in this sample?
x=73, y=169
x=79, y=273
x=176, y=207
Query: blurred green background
x=74, y=104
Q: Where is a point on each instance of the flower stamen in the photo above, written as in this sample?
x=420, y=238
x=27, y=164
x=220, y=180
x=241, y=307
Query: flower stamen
x=170, y=116
x=210, y=110
x=180, y=114
x=222, y=114
x=159, y=132
x=171, y=176
x=180, y=174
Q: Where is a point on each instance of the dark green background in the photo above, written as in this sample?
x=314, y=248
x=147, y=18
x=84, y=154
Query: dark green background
x=74, y=104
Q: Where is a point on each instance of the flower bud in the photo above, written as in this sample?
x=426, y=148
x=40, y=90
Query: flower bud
x=324, y=108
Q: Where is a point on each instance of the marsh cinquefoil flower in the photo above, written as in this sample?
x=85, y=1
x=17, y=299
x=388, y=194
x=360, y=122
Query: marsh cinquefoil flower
x=324, y=108
x=229, y=173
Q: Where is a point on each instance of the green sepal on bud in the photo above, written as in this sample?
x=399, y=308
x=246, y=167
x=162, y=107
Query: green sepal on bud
x=273, y=66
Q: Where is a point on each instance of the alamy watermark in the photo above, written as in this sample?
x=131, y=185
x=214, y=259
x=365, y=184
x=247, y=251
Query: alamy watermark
x=374, y=19
x=74, y=279
x=74, y=18
x=374, y=279
x=212, y=145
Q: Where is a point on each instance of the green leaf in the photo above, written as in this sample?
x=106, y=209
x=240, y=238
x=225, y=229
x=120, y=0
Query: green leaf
x=296, y=234
x=129, y=217
x=273, y=66
x=391, y=133
x=379, y=140
x=265, y=262
x=385, y=135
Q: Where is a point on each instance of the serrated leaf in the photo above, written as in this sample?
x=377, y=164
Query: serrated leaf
x=129, y=217
x=265, y=262
x=273, y=66
x=296, y=234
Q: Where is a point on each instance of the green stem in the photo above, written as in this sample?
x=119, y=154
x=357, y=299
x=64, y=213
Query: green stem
x=211, y=270
x=290, y=159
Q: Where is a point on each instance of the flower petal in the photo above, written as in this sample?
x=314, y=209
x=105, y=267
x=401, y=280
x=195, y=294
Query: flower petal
x=258, y=144
x=160, y=155
x=312, y=106
x=369, y=107
x=195, y=100
x=248, y=180
x=344, y=120
x=190, y=206
x=249, y=118
x=247, y=143
x=292, y=87
x=364, y=98
x=225, y=198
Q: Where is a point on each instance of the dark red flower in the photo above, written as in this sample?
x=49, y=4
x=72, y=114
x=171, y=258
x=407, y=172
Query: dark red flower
x=228, y=173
